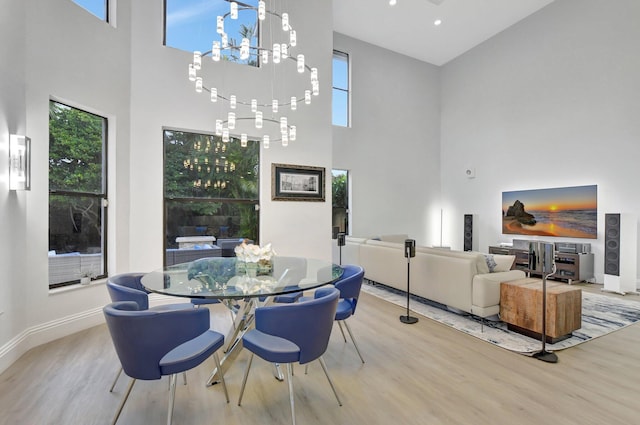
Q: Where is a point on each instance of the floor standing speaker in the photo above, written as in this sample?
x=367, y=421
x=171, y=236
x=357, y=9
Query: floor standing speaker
x=468, y=232
x=620, y=249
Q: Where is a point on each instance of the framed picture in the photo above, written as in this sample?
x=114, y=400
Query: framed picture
x=297, y=183
x=561, y=212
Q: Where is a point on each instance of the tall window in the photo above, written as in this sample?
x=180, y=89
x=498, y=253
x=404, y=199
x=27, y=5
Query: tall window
x=340, y=200
x=211, y=188
x=340, y=105
x=77, y=195
x=100, y=8
x=191, y=25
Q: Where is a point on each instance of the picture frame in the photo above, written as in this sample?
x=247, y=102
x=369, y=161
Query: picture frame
x=297, y=183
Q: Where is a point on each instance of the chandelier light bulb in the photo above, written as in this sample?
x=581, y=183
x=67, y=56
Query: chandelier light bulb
x=316, y=88
x=276, y=53
x=199, y=84
x=197, y=60
x=218, y=127
x=285, y=139
x=254, y=105
x=220, y=25
x=293, y=39
x=243, y=140
x=294, y=103
x=215, y=51
x=292, y=133
x=283, y=124
x=259, y=119
x=392, y=2
x=225, y=135
x=233, y=10
x=232, y=101
x=274, y=105
x=261, y=10
x=214, y=94
x=265, y=141
x=314, y=75
x=192, y=72
x=231, y=120
x=284, y=51
x=285, y=21
x=244, y=49
x=225, y=40
x=307, y=97
x=265, y=57
x=300, y=61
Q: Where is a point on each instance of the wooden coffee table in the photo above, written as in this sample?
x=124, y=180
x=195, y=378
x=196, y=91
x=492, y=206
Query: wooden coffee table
x=521, y=308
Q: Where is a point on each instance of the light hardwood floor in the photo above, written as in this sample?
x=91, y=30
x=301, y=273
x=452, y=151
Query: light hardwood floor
x=424, y=373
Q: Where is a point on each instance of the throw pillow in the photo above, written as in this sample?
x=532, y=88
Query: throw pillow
x=503, y=262
x=491, y=263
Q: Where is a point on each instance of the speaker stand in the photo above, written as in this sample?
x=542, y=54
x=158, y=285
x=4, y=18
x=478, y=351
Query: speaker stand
x=408, y=319
x=545, y=355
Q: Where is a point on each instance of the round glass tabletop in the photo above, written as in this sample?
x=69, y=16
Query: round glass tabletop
x=226, y=277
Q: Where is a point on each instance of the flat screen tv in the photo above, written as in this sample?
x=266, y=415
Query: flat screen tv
x=570, y=212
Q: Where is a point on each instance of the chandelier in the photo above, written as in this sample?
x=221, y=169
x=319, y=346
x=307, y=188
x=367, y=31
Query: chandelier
x=269, y=115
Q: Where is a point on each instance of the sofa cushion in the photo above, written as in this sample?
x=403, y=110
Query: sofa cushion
x=486, y=287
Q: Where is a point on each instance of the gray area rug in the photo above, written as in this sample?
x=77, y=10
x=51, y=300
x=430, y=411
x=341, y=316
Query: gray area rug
x=601, y=315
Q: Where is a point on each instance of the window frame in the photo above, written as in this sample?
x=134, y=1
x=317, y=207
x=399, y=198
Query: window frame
x=102, y=196
x=258, y=31
x=342, y=55
x=107, y=10
x=172, y=198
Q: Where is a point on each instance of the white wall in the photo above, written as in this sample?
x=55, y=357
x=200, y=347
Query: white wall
x=12, y=204
x=57, y=50
x=550, y=102
x=391, y=149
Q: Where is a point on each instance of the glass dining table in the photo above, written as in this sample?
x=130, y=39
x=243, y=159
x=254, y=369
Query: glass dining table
x=241, y=287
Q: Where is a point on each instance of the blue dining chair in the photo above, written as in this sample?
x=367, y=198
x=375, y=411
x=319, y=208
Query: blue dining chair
x=293, y=333
x=128, y=287
x=349, y=285
x=152, y=344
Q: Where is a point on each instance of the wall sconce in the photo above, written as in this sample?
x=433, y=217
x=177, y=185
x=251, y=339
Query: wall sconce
x=19, y=162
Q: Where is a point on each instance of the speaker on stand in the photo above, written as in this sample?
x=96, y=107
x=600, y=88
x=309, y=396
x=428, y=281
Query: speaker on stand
x=542, y=260
x=620, y=253
x=341, y=243
x=409, y=253
x=468, y=232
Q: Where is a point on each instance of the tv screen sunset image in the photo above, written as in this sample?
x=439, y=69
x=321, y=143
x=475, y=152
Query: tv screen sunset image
x=570, y=212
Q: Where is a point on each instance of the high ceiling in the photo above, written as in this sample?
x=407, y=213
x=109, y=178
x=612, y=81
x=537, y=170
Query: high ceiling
x=408, y=27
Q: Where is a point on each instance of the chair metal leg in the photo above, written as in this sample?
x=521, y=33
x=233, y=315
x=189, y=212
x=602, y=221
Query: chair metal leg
x=244, y=380
x=224, y=384
x=172, y=396
x=290, y=380
x=184, y=377
x=124, y=400
x=115, y=380
x=354, y=341
x=326, y=372
x=342, y=331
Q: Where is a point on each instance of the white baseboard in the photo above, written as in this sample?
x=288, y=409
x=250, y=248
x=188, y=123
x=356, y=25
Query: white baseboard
x=58, y=328
x=45, y=332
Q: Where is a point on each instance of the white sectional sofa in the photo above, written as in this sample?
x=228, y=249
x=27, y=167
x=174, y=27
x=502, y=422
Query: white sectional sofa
x=460, y=280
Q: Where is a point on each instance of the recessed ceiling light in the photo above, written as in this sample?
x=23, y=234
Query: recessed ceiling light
x=437, y=22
